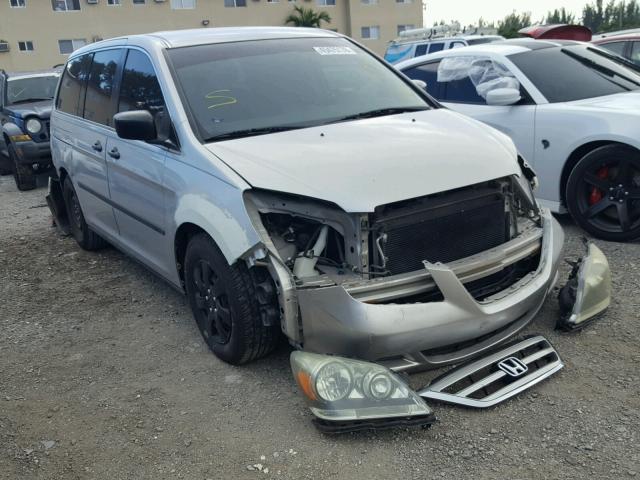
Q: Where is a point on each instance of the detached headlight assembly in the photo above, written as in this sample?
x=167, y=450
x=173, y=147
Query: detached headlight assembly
x=347, y=395
x=33, y=125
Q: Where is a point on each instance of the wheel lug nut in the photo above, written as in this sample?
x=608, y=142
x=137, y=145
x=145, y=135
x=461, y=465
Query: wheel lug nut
x=206, y=297
x=611, y=189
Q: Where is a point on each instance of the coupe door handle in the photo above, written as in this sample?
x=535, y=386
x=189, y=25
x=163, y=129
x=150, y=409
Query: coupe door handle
x=97, y=146
x=114, y=153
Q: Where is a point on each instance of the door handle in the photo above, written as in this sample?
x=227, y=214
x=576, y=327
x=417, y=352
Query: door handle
x=114, y=153
x=97, y=146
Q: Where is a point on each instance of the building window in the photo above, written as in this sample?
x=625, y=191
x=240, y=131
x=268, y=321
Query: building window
x=26, y=46
x=235, y=3
x=139, y=2
x=369, y=2
x=404, y=1
x=326, y=3
x=370, y=33
x=68, y=46
x=17, y=3
x=402, y=28
x=183, y=4
x=113, y=2
x=273, y=1
x=65, y=5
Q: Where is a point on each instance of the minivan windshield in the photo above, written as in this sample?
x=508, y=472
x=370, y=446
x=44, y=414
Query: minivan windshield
x=240, y=89
x=579, y=72
x=31, y=89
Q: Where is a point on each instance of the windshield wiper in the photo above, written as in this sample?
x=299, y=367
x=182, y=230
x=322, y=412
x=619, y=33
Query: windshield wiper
x=24, y=100
x=602, y=69
x=251, y=132
x=380, y=112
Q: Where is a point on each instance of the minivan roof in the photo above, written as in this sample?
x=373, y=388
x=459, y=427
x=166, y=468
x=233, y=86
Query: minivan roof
x=203, y=36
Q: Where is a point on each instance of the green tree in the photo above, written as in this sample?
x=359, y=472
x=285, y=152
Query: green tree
x=306, y=17
x=512, y=23
x=615, y=15
x=560, y=15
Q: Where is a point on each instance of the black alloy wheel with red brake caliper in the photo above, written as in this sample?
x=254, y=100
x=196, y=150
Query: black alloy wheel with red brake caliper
x=603, y=193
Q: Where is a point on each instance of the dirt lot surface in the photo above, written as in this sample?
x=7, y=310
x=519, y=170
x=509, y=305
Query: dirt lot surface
x=103, y=375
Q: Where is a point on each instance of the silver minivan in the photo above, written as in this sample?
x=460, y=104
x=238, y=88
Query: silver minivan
x=293, y=184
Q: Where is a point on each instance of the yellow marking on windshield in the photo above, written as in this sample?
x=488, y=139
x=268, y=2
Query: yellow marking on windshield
x=221, y=99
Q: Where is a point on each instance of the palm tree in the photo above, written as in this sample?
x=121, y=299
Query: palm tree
x=306, y=17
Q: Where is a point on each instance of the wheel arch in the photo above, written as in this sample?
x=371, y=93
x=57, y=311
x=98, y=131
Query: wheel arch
x=183, y=235
x=577, y=155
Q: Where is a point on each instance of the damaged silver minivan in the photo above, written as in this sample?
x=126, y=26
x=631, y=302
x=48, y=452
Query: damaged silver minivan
x=290, y=182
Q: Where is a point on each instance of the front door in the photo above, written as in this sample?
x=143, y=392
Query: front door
x=136, y=168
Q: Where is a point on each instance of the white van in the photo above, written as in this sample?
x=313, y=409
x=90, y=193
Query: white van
x=418, y=42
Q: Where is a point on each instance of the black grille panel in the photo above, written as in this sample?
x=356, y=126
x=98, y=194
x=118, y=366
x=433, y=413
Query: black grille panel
x=442, y=229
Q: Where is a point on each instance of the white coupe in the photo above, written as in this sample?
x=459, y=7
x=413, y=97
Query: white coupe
x=573, y=111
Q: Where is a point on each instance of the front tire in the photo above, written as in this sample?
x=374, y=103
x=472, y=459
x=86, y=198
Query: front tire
x=86, y=238
x=225, y=305
x=23, y=175
x=603, y=193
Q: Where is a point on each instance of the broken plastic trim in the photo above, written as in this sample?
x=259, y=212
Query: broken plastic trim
x=587, y=292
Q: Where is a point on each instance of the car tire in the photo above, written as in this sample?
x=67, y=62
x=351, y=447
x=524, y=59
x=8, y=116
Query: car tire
x=225, y=305
x=86, y=238
x=23, y=174
x=603, y=193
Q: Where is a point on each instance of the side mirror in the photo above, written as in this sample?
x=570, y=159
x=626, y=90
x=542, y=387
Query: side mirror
x=419, y=83
x=503, y=97
x=135, y=125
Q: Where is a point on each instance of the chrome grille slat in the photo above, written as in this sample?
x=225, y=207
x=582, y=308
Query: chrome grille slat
x=488, y=381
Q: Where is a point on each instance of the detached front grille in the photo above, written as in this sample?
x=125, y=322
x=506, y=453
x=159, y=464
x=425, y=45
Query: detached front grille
x=441, y=228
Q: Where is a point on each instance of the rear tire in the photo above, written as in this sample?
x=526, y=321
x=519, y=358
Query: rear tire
x=603, y=193
x=225, y=305
x=23, y=174
x=86, y=238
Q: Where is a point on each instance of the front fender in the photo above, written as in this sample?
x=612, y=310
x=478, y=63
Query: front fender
x=10, y=129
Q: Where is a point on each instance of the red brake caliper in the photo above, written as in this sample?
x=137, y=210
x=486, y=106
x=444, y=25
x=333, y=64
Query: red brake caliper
x=596, y=193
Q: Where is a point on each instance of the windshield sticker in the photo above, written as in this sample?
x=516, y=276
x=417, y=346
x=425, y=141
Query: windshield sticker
x=220, y=100
x=335, y=50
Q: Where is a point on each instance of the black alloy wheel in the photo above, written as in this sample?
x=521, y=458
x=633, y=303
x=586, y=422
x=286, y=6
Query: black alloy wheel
x=212, y=301
x=603, y=193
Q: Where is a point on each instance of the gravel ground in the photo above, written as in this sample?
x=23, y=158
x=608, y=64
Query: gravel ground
x=103, y=375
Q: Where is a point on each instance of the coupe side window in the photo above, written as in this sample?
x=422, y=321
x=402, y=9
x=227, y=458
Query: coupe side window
x=428, y=73
x=72, y=85
x=616, y=47
x=635, y=53
x=140, y=89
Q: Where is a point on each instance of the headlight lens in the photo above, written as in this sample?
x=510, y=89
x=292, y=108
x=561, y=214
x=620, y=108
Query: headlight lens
x=33, y=125
x=344, y=390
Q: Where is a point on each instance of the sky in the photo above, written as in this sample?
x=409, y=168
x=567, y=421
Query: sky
x=469, y=11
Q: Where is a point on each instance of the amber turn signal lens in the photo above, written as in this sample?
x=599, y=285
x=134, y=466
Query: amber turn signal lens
x=304, y=380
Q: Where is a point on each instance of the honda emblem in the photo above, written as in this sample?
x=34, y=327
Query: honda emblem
x=512, y=366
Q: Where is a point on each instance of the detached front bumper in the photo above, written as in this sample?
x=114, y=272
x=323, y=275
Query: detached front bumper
x=340, y=320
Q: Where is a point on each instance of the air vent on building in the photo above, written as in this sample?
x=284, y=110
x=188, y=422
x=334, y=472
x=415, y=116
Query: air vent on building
x=4, y=46
x=93, y=2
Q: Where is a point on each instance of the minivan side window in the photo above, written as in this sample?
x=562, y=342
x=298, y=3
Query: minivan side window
x=72, y=85
x=421, y=49
x=436, y=47
x=140, y=89
x=98, y=104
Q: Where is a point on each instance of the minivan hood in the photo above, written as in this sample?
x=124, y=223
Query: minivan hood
x=40, y=109
x=361, y=164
